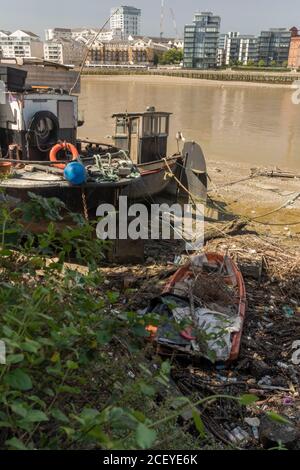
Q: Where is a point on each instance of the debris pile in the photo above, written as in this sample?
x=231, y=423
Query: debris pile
x=268, y=363
x=203, y=308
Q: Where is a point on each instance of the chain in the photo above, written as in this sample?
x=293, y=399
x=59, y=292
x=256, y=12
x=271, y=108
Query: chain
x=84, y=204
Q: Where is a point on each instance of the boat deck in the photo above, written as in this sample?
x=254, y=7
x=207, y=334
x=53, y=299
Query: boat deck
x=37, y=179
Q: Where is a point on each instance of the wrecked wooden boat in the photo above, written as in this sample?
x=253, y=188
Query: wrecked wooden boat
x=145, y=137
x=202, y=309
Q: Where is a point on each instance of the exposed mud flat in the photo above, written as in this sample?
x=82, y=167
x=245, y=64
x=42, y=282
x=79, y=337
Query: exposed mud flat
x=234, y=189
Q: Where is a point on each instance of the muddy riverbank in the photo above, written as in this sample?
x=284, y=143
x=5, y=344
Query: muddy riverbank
x=271, y=203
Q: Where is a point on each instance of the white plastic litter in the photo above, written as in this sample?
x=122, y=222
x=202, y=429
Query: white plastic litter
x=217, y=328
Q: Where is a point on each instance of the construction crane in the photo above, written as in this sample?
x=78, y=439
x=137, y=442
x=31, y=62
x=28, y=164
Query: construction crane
x=174, y=23
x=162, y=17
x=162, y=20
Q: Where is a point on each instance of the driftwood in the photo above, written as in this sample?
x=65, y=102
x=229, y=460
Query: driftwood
x=232, y=228
x=274, y=173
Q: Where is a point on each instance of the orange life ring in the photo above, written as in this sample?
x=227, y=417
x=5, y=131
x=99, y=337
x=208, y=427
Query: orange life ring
x=63, y=146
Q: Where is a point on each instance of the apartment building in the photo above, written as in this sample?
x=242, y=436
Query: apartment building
x=234, y=48
x=64, y=51
x=127, y=19
x=20, y=44
x=141, y=51
x=274, y=45
x=248, y=50
x=58, y=33
x=201, y=40
x=167, y=42
x=87, y=35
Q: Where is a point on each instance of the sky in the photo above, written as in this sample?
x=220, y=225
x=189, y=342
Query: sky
x=247, y=17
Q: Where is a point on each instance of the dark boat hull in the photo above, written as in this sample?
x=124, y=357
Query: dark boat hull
x=155, y=179
x=178, y=176
x=72, y=196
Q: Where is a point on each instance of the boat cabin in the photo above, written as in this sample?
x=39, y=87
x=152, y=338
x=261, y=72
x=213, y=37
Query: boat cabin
x=143, y=135
x=34, y=118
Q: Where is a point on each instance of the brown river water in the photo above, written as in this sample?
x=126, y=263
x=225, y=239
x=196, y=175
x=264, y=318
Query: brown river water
x=253, y=124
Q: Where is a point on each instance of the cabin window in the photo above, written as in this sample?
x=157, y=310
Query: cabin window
x=163, y=125
x=155, y=125
x=134, y=126
x=147, y=126
x=121, y=126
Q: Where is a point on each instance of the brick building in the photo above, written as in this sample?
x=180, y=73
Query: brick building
x=294, y=54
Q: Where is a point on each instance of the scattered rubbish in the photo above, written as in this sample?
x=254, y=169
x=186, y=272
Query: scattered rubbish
x=207, y=298
x=259, y=369
x=238, y=435
x=129, y=281
x=253, y=422
x=288, y=401
x=231, y=380
x=288, y=311
x=267, y=340
x=282, y=365
x=221, y=367
x=272, y=432
x=265, y=381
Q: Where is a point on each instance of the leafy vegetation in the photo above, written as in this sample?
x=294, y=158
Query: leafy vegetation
x=172, y=57
x=76, y=374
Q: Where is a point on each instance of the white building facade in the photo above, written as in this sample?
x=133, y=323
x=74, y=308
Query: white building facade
x=127, y=19
x=58, y=33
x=235, y=48
x=248, y=52
x=87, y=35
x=20, y=44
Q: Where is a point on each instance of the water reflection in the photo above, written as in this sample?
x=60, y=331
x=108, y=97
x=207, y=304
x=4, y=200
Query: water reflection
x=257, y=125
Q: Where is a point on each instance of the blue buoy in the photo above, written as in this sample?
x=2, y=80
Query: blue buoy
x=75, y=173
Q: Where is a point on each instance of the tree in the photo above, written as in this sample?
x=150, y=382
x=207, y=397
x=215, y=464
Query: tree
x=155, y=59
x=251, y=63
x=273, y=63
x=261, y=63
x=172, y=56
